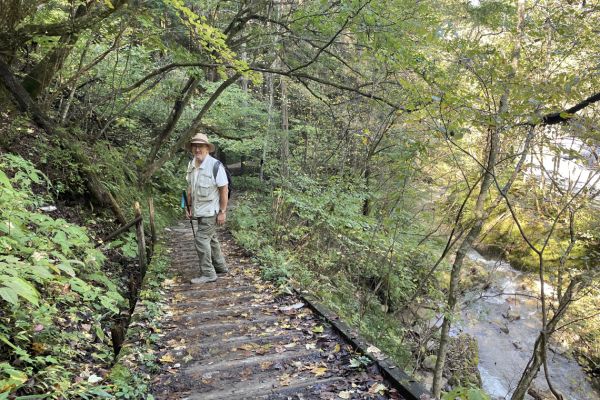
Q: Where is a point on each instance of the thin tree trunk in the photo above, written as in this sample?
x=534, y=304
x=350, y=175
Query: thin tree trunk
x=188, y=133
x=537, y=357
x=480, y=215
x=176, y=112
x=564, y=257
x=366, y=209
x=69, y=101
x=465, y=246
x=26, y=104
x=285, y=126
x=42, y=74
x=271, y=90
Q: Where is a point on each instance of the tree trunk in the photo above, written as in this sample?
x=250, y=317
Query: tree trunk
x=271, y=90
x=176, y=112
x=26, y=104
x=366, y=209
x=465, y=246
x=42, y=74
x=537, y=357
x=480, y=216
x=151, y=168
x=285, y=127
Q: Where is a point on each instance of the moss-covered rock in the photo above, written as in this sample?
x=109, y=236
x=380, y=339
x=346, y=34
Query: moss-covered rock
x=463, y=358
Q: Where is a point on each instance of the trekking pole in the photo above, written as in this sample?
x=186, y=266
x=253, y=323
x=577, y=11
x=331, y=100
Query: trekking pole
x=184, y=203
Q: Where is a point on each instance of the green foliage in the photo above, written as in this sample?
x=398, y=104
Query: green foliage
x=366, y=195
x=314, y=234
x=127, y=245
x=462, y=393
x=55, y=301
x=129, y=385
x=360, y=362
x=211, y=39
x=130, y=376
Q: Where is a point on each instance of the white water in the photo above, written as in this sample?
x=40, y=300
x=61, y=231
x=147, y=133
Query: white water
x=502, y=356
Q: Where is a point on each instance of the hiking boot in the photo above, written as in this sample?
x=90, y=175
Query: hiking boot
x=204, y=279
x=222, y=272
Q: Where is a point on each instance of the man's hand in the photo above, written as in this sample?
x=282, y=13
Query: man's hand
x=221, y=217
x=188, y=214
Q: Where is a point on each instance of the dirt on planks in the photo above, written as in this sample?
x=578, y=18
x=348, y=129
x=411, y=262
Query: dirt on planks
x=240, y=338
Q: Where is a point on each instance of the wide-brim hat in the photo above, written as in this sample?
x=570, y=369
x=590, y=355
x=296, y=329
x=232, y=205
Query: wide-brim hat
x=200, y=138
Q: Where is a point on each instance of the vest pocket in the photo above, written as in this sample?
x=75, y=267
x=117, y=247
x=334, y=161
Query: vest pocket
x=204, y=188
x=203, y=192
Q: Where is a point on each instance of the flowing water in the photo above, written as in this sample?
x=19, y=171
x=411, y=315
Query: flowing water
x=506, y=327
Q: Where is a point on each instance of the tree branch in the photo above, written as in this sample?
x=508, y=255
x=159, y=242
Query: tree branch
x=72, y=26
x=566, y=115
x=196, y=123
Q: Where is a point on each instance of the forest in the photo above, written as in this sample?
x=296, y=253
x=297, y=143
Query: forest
x=429, y=170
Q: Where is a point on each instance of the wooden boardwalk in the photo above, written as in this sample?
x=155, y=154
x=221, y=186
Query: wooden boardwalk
x=238, y=338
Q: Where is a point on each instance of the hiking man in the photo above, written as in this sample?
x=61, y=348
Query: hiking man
x=207, y=193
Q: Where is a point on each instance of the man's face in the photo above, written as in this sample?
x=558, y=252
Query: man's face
x=200, y=151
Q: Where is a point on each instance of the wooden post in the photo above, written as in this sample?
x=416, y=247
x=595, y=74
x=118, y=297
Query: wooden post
x=141, y=241
x=152, y=225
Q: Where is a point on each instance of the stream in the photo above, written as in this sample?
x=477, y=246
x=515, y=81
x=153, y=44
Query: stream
x=506, y=327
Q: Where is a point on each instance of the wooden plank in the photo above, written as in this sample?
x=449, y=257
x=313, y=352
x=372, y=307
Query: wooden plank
x=258, y=389
x=406, y=385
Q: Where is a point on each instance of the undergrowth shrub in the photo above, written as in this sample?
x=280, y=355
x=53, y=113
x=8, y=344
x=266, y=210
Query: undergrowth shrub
x=55, y=301
x=313, y=234
x=138, y=359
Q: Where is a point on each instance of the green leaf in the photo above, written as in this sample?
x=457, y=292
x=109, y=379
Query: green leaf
x=109, y=303
x=99, y=332
x=101, y=393
x=41, y=271
x=15, y=377
x=5, y=340
x=66, y=268
x=22, y=288
x=4, y=180
x=354, y=363
x=476, y=394
x=9, y=295
x=61, y=239
x=566, y=115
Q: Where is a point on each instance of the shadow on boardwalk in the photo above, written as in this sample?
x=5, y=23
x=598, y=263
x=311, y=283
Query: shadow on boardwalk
x=238, y=338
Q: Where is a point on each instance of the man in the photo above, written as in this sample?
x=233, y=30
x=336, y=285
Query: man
x=207, y=193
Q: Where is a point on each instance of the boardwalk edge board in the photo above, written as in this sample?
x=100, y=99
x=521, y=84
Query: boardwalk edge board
x=406, y=385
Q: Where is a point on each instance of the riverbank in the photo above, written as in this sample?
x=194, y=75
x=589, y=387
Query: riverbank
x=504, y=316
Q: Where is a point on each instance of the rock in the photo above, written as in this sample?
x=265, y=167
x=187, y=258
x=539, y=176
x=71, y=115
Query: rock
x=432, y=345
x=504, y=329
x=539, y=394
x=429, y=362
x=48, y=208
x=510, y=316
x=463, y=360
x=517, y=345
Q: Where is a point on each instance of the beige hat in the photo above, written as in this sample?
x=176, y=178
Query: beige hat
x=200, y=138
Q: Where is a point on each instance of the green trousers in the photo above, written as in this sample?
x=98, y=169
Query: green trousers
x=208, y=248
